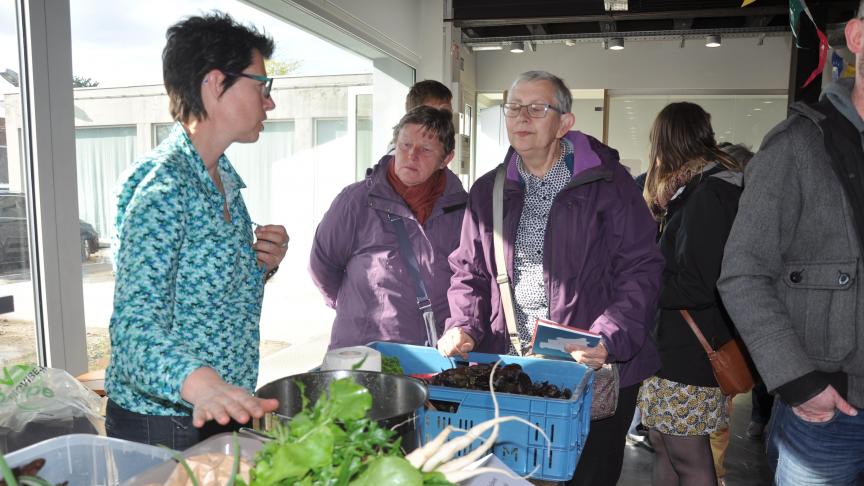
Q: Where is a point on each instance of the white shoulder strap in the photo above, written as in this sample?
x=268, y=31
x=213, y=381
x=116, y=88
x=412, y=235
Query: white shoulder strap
x=500, y=262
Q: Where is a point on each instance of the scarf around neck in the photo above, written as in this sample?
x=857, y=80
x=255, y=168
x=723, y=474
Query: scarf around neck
x=422, y=197
x=676, y=183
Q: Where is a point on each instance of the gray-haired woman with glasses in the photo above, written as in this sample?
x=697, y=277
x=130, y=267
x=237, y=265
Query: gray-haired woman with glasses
x=189, y=278
x=579, y=249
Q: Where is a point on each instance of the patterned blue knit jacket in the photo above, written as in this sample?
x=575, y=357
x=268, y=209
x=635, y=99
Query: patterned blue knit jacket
x=188, y=290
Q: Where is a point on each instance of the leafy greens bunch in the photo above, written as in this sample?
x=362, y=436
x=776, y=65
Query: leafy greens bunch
x=333, y=443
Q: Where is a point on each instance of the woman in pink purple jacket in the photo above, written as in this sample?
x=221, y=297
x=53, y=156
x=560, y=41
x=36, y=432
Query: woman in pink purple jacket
x=579, y=245
x=356, y=260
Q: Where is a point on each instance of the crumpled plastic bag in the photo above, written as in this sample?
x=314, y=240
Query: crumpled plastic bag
x=38, y=403
x=212, y=469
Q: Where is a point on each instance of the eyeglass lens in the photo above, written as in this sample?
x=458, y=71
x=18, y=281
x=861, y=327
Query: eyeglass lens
x=535, y=110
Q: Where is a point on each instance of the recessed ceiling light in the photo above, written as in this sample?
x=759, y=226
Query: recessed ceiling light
x=767, y=102
x=712, y=41
x=517, y=47
x=757, y=109
x=486, y=48
x=616, y=43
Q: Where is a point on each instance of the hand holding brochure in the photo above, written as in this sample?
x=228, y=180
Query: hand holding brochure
x=551, y=339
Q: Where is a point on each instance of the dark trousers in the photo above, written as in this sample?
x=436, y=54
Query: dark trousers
x=175, y=432
x=603, y=455
x=762, y=403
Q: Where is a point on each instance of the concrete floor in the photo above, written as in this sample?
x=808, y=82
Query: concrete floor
x=746, y=464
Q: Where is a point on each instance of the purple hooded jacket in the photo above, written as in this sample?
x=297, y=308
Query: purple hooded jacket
x=602, y=268
x=357, y=265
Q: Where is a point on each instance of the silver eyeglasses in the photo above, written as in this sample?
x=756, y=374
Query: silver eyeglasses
x=535, y=110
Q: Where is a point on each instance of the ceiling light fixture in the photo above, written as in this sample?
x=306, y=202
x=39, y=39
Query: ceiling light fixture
x=615, y=5
x=712, y=41
x=616, y=43
x=569, y=42
x=517, y=47
x=486, y=48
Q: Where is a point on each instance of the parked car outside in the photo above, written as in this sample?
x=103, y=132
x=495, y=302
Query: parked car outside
x=14, y=248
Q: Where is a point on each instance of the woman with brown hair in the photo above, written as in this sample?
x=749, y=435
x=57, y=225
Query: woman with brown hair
x=692, y=189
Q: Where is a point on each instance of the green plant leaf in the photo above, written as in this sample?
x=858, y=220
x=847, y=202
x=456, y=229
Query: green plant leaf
x=390, y=470
x=348, y=400
x=7, y=472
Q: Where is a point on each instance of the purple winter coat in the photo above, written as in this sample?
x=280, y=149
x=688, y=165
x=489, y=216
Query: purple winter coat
x=357, y=265
x=602, y=265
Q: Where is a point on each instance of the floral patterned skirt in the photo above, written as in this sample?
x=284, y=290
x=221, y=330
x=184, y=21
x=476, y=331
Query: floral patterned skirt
x=677, y=409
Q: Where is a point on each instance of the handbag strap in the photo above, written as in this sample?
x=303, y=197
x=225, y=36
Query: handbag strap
x=687, y=317
x=501, y=263
x=423, y=301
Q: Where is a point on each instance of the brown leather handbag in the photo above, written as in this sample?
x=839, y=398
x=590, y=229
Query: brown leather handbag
x=729, y=363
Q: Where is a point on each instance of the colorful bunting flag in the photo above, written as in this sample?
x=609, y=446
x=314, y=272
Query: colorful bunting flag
x=823, y=55
x=837, y=66
x=796, y=7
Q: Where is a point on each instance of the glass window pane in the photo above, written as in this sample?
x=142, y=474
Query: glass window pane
x=315, y=140
x=17, y=314
x=327, y=131
x=365, y=151
x=262, y=166
x=736, y=118
x=160, y=132
x=103, y=154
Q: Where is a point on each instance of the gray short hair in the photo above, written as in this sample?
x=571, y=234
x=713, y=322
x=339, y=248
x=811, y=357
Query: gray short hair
x=439, y=122
x=563, y=98
x=740, y=152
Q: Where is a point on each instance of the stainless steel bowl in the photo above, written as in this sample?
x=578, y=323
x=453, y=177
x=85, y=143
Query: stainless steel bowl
x=395, y=399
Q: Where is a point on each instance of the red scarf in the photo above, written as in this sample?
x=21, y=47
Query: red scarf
x=420, y=198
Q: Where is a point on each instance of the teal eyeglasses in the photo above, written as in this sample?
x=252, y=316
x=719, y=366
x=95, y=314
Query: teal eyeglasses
x=265, y=88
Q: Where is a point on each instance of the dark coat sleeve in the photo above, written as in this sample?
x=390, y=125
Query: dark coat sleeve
x=471, y=285
x=696, y=251
x=636, y=268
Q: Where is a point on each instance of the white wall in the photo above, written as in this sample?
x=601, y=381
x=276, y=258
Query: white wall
x=433, y=44
x=412, y=31
x=647, y=65
x=397, y=20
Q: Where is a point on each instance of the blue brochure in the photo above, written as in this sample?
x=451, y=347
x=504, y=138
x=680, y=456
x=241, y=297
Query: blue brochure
x=550, y=339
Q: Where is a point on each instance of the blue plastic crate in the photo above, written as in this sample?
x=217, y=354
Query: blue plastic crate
x=522, y=448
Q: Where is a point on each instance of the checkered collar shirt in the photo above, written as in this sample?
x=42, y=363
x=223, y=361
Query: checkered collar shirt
x=529, y=287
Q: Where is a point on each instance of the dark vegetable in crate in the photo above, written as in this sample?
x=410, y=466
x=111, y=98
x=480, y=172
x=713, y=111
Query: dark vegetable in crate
x=510, y=379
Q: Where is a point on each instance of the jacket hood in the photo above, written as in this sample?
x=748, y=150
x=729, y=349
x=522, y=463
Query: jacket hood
x=589, y=159
x=382, y=195
x=839, y=93
x=712, y=170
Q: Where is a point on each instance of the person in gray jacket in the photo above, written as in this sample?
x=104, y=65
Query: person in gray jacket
x=791, y=280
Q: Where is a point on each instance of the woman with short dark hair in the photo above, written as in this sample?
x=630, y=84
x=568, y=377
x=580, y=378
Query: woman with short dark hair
x=406, y=213
x=190, y=272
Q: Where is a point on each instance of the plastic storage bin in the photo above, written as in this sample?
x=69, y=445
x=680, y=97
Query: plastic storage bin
x=520, y=447
x=89, y=460
x=221, y=443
